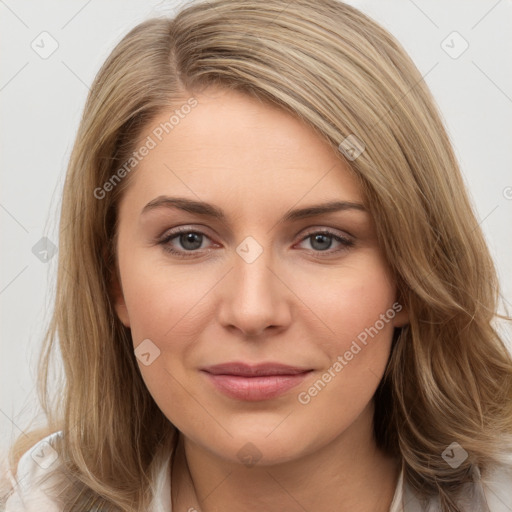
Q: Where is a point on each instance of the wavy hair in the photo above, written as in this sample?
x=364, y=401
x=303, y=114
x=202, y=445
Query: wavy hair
x=449, y=375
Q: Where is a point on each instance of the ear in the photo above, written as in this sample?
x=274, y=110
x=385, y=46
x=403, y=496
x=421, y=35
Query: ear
x=119, y=302
x=401, y=317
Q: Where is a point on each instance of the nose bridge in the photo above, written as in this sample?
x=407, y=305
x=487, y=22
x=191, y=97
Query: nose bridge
x=254, y=298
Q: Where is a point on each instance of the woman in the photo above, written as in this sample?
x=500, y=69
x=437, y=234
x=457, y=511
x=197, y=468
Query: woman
x=273, y=293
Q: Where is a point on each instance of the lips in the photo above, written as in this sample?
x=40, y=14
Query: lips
x=246, y=370
x=264, y=381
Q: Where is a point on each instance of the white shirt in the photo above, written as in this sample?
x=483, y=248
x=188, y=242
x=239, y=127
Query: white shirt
x=493, y=495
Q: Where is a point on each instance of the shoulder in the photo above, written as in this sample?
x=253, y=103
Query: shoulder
x=497, y=485
x=33, y=475
x=489, y=492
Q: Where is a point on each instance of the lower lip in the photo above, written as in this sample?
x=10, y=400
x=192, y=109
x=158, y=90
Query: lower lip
x=255, y=388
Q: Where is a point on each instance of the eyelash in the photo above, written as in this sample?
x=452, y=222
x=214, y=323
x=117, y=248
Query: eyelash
x=345, y=242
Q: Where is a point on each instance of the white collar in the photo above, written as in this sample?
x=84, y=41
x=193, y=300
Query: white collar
x=492, y=495
x=162, y=490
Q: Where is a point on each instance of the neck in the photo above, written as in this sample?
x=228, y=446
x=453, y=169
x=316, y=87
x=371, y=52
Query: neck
x=349, y=473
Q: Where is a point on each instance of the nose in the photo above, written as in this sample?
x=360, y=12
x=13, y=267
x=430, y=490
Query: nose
x=254, y=298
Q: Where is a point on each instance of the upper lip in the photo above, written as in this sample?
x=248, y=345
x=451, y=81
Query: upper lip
x=254, y=370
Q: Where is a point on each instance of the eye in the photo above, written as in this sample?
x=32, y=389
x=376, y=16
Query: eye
x=183, y=242
x=186, y=242
x=322, y=241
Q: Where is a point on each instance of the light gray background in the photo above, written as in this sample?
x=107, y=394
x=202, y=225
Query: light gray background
x=41, y=102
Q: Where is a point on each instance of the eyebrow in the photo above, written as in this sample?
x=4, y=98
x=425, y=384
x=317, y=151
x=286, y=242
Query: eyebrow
x=209, y=210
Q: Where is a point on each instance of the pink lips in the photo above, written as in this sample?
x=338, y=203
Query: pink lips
x=254, y=382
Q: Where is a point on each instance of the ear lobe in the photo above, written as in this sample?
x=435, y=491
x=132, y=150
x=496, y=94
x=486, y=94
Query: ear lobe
x=119, y=302
x=401, y=317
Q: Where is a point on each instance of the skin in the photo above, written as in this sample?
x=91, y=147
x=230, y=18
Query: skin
x=296, y=304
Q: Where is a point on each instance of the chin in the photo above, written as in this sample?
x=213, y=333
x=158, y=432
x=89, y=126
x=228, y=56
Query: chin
x=262, y=444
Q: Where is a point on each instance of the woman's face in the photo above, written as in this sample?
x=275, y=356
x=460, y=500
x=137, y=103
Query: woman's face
x=260, y=304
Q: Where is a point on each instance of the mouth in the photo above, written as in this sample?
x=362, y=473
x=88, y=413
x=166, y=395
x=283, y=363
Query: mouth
x=264, y=381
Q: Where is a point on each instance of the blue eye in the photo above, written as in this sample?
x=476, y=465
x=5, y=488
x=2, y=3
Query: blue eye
x=190, y=242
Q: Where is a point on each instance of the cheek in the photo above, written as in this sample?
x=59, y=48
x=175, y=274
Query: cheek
x=356, y=311
x=162, y=302
x=168, y=309
x=349, y=303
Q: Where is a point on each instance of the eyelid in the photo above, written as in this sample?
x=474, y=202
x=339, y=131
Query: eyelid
x=345, y=239
x=170, y=233
x=186, y=228
x=324, y=229
x=308, y=231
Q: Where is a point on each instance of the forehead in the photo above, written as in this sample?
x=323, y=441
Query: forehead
x=232, y=144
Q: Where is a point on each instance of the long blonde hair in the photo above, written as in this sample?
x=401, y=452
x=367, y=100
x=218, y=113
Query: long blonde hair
x=449, y=376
